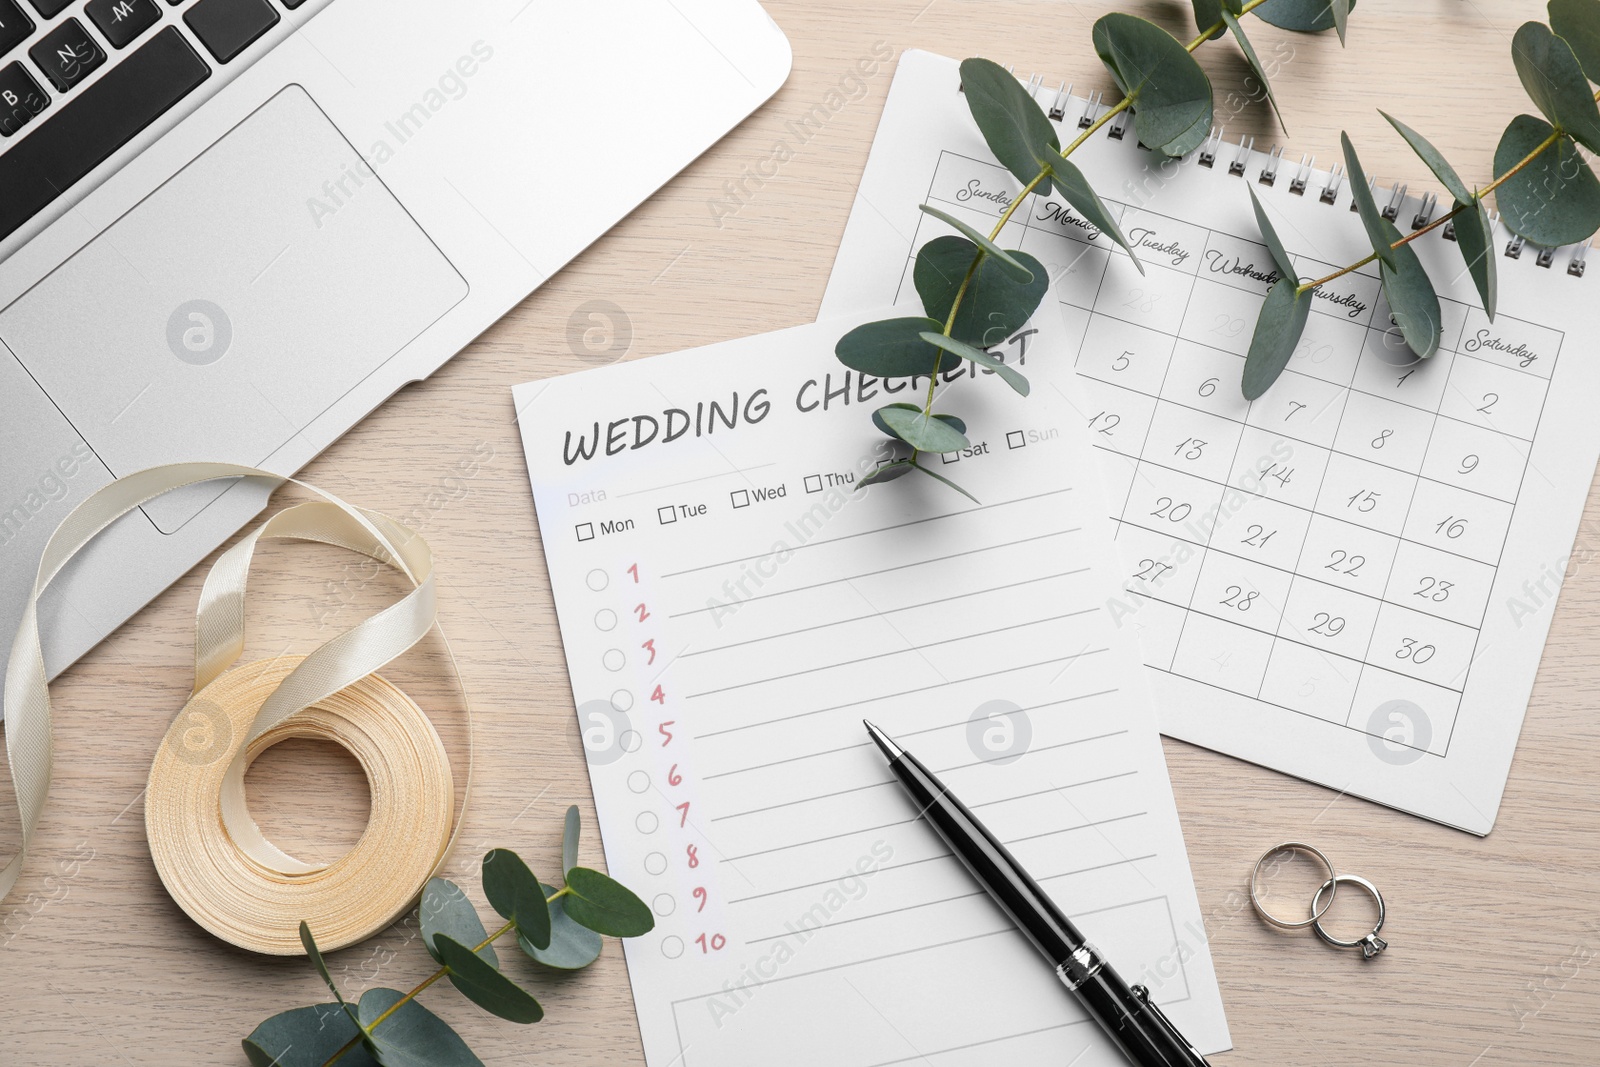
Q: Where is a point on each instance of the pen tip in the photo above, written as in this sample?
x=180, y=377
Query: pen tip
x=885, y=743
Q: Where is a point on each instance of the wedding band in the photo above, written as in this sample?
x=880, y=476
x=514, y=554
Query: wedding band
x=1371, y=944
x=1318, y=909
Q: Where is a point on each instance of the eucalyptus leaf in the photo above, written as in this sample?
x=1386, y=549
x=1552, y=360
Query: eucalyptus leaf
x=981, y=358
x=571, y=947
x=1280, y=256
x=445, y=909
x=1208, y=13
x=890, y=348
x=1371, y=217
x=936, y=476
x=1412, y=301
x=1013, y=126
x=1017, y=268
x=922, y=432
x=1278, y=329
x=1255, y=64
x=1475, y=238
x=877, y=418
x=995, y=304
x=485, y=986
x=1555, y=82
x=1190, y=139
x=1578, y=23
x=606, y=906
x=309, y=943
x=1303, y=16
x=887, y=473
x=306, y=1037
x=514, y=892
x=1076, y=190
x=1170, y=93
x=1340, y=9
x=1234, y=7
x=1554, y=200
x=569, y=841
x=1433, y=158
x=413, y=1036
x=959, y=424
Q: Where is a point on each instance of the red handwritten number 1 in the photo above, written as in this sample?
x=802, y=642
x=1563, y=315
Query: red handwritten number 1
x=634, y=570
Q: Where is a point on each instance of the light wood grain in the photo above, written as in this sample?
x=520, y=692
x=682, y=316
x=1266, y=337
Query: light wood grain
x=1493, y=940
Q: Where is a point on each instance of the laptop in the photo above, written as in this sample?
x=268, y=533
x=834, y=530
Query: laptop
x=229, y=229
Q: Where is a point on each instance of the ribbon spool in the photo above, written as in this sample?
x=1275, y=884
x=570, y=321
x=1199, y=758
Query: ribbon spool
x=210, y=854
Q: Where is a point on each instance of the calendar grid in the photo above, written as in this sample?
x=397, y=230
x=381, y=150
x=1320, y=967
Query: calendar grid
x=1392, y=473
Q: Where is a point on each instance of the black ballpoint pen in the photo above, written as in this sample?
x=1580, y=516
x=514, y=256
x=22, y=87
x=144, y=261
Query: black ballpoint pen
x=1127, y=1014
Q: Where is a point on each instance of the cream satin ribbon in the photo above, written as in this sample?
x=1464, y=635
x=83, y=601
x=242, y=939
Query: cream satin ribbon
x=211, y=855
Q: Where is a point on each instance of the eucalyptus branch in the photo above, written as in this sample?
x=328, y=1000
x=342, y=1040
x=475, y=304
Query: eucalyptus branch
x=565, y=936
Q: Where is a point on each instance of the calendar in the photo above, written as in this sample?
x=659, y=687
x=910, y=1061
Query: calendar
x=1349, y=579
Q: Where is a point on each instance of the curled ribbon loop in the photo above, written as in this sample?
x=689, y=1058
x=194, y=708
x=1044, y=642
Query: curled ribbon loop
x=210, y=854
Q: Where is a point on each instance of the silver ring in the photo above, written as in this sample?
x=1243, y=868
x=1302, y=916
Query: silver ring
x=1316, y=912
x=1371, y=944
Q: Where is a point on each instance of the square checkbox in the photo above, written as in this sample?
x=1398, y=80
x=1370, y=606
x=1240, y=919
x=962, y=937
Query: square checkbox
x=813, y=483
x=667, y=514
x=1015, y=439
x=950, y=457
x=586, y=531
x=740, y=498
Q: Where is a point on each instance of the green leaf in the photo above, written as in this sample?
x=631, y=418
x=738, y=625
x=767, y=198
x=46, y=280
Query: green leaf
x=569, y=841
x=1340, y=9
x=485, y=986
x=1578, y=23
x=941, y=478
x=890, y=348
x=572, y=947
x=1208, y=13
x=605, y=906
x=1303, y=16
x=1433, y=158
x=1170, y=92
x=306, y=1037
x=1555, y=199
x=1475, y=238
x=413, y=1036
x=309, y=943
x=445, y=909
x=1412, y=301
x=925, y=433
x=877, y=419
x=952, y=420
x=1013, y=126
x=1371, y=217
x=1076, y=190
x=514, y=892
x=1555, y=82
x=886, y=473
x=995, y=304
x=1255, y=65
x=1190, y=139
x=980, y=357
x=1018, y=269
x=1278, y=330
x=1280, y=255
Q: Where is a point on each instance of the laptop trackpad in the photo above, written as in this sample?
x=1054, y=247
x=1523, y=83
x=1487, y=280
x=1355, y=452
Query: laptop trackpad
x=240, y=300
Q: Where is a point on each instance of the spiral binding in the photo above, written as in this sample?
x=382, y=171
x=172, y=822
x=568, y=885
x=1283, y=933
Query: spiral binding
x=1242, y=157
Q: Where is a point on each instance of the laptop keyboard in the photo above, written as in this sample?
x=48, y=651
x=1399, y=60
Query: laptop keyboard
x=54, y=129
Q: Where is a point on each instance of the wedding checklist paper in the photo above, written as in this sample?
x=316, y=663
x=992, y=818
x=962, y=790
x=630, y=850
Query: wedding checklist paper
x=732, y=606
x=1351, y=578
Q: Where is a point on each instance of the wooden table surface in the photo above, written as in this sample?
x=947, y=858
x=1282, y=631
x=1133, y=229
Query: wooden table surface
x=1494, y=940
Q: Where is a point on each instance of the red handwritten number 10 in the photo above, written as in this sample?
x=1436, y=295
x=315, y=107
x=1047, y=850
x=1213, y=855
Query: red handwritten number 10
x=717, y=942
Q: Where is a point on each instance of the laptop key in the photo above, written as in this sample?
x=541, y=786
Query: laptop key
x=14, y=26
x=49, y=9
x=20, y=99
x=121, y=21
x=227, y=27
x=67, y=55
x=100, y=120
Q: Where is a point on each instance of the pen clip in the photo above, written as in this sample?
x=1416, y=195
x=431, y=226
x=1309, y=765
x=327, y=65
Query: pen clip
x=1142, y=995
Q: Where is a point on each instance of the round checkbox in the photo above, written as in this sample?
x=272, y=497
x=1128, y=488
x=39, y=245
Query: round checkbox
x=647, y=822
x=664, y=904
x=598, y=579
x=638, y=781
x=614, y=660
x=605, y=619
x=622, y=699
x=655, y=863
x=672, y=947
